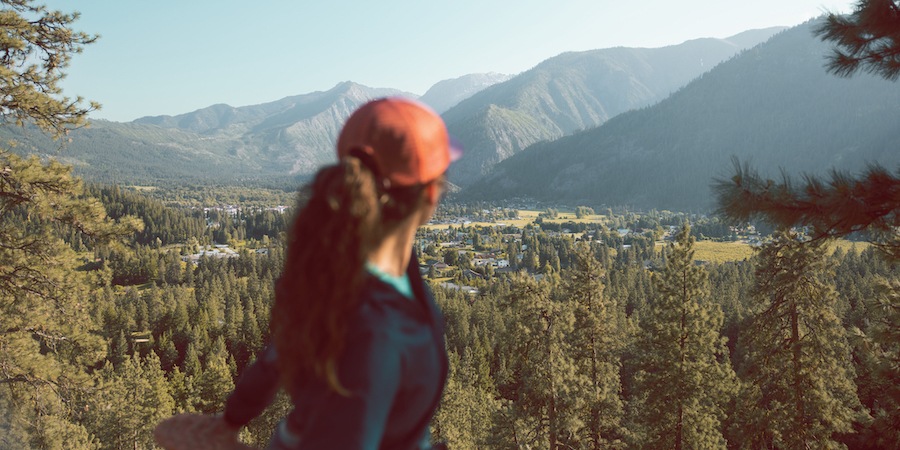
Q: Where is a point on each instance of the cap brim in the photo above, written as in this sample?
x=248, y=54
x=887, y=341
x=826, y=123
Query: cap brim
x=456, y=149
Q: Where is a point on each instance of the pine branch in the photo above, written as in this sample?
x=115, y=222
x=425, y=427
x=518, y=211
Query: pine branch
x=836, y=208
x=868, y=39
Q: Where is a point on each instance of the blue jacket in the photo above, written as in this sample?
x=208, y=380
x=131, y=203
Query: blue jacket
x=394, y=364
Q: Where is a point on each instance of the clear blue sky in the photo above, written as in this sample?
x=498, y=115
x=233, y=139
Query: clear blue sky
x=176, y=56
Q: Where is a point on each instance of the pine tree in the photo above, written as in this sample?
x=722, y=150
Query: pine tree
x=685, y=376
x=597, y=341
x=832, y=208
x=46, y=337
x=128, y=403
x=880, y=356
x=215, y=382
x=798, y=390
x=542, y=397
x=464, y=417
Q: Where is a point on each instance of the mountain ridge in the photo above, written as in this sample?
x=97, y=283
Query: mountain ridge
x=293, y=136
x=574, y=91
x=773, y=105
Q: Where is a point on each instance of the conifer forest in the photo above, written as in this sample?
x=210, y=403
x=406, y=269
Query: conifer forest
x=588, y=340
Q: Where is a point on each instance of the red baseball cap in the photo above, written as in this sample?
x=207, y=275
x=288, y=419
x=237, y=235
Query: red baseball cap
x=407, y=141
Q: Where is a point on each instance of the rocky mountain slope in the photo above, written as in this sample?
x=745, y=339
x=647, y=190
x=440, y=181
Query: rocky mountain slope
x=773, y=105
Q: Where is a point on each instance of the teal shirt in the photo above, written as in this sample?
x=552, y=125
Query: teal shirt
x=401, y=283
x=394, y=365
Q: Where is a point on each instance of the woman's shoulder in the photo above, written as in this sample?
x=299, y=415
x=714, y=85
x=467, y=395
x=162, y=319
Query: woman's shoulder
x=385, y=313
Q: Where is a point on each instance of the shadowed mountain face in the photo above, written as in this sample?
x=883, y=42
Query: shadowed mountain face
x=773, y=105
x=576, y=91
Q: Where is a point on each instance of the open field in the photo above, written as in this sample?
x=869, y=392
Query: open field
x=564, y=216
x=526, y=217
x=143, y=188
x=718, y=252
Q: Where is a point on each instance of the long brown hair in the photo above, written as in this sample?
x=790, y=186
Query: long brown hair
x=347, y=212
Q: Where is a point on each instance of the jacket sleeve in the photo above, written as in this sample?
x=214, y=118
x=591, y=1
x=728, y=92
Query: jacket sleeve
x=370, y=370
x=254, y=391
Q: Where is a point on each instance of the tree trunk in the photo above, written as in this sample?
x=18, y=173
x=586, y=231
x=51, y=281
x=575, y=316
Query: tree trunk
x=796, y=363
x=552, y=413
x=679, y=421
x=595, y=408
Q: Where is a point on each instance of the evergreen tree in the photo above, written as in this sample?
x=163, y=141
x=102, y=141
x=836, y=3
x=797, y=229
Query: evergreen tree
x=129, y=401
x=46, y=339
x=832, y=208
x=879, y=355
x=685, y=377
x=798, y=390
x=542, y=397
x=215, y=381
x=596, y=341
x=465, y=415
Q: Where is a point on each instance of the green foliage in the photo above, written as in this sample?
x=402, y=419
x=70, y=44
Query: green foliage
x=543, y=396
x=47, y=338
x=521, y=350
x=468, y=405
x=214, y=383
x=798, y=389
x=583, y=211
x=451, y=257
x=685, y=379
x=868, y=39
x=35, y=198
x=37, y=46
x=128, y=402
x=878, y=373
x=597, y=340
x=550, y=213
x=836, y=208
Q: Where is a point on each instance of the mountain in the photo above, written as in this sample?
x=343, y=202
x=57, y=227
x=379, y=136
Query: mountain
x=575, y=91
x=448, y=93
x=293, y=136
x=288, y=137
x=773, y=105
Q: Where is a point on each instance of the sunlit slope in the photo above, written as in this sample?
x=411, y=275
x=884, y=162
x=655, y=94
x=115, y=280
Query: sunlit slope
x=773, y=105
x=575, y=91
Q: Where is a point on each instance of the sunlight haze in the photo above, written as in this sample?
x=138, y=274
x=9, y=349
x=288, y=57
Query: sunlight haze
x=171, y=57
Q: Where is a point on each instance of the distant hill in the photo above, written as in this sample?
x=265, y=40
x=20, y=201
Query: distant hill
x=293, y=136
x=773, y=105
x=576, y=91
x=288, y=137
x=448, y=93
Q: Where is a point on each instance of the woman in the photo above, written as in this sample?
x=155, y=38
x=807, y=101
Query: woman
x=357, y=340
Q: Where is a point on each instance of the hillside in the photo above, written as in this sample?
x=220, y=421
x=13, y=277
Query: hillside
x=292, y=137
x=286, y=138
x=576, y=91
x=448, y=93
x=773, y=105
